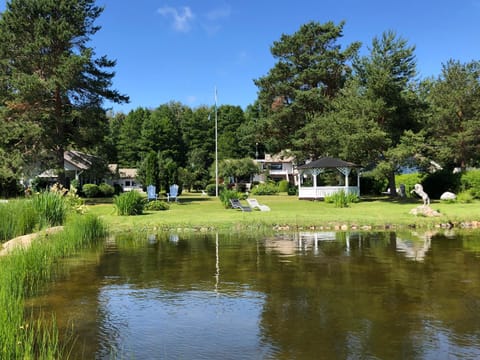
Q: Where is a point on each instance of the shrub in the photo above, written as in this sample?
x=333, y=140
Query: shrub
x=226, y=195
x=157, y=205
x=470, y=180
x=465, y=197
x=51, y=207
x=91, y=190
x=265, y=189
x=106, y=190
x=409, y=180
x=371, y=184
x=283, y=185
x=210, y=189
x=341, y=199
x=129, y=203
x=292, y=190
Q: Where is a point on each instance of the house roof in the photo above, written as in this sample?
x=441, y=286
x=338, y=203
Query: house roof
x=285, y=156
x=327, y=162
x=124, y=173
x=78, y=159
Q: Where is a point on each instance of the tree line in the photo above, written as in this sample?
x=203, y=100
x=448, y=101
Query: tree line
x=320, y=98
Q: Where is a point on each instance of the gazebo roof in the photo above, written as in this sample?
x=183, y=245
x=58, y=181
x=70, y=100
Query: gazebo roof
x=327, y=162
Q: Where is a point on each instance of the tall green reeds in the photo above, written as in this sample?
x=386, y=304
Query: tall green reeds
x=27, y=271
x=17, y=218
x=51, y=207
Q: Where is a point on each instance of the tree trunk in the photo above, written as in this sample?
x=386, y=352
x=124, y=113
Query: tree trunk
x=60, y=166
x=391, y=184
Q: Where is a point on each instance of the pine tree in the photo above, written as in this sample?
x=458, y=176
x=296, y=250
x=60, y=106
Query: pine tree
x=50, y=79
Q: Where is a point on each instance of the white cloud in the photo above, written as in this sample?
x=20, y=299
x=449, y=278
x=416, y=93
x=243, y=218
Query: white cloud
x=219, y=13
x=182, y=17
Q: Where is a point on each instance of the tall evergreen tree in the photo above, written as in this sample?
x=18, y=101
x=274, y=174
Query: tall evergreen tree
x=454, y=125
x=50, y=77
x=386, y=79
x=310, y=70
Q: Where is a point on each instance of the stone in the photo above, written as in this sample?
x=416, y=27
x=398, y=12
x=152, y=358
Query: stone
x=424, y=210
x=448, y=196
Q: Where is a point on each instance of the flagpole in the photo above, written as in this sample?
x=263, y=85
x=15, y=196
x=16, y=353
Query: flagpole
x=216, y=145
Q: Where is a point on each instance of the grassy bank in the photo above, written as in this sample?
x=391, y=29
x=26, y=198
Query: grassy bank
x=202, y=212
x=23, y=274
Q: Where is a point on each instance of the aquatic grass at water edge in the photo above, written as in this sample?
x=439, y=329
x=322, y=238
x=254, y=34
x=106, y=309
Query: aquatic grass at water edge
x=51, y=207
x=25, y=273
x=17, y=217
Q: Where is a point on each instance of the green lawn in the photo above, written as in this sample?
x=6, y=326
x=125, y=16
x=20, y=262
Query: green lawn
x=203, y=212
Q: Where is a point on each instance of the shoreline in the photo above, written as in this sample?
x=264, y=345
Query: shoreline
x=24, y=241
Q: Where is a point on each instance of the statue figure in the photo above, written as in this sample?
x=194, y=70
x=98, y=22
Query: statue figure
x=419, y=191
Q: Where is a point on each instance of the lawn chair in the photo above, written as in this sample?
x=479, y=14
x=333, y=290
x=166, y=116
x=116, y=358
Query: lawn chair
x=254, y=204
x=151, y=192
x=173, y=194
x=237, y=205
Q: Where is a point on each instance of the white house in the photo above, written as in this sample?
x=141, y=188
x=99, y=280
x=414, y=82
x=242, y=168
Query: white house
x=277, y=167
x=125, y=177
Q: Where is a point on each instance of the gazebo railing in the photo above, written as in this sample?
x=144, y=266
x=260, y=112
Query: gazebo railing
x=321, y=192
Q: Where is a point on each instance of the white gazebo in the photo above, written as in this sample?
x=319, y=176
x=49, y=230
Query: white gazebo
x=315, y=168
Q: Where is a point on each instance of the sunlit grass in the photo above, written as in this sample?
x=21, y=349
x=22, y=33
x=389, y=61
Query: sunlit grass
x=17, y=217
x=201, y=212
x=24, y=273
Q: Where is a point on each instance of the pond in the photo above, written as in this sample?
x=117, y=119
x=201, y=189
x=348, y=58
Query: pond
x=323, y=295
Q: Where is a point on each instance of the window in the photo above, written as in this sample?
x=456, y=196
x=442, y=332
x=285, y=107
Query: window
x=276, y=166
x=127, y=182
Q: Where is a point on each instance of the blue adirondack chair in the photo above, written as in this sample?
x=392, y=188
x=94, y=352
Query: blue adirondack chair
x=173, y=194
x=151, y=192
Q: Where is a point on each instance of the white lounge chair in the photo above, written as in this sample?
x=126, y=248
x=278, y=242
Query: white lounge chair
x=254, y=204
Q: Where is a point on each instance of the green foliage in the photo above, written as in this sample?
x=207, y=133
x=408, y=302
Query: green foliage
x=470, y=180
x=372, y=184
x=23, y=274
x=74, y=184
x=341, y=199
x=49, y=54
x=269, y=188
x=211, y=188
x=51, y=207
x=226, y=195
x=106, y=190
x=292, y=190
x=156, y=205
x=453, y=125
x=283, y=185
x=305, y=84
x=465, y=197
x=91, y=190
x=129, y=203
x=409, y=180
x=17, y=218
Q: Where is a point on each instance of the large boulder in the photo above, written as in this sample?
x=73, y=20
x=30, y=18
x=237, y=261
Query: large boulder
x=448, y=196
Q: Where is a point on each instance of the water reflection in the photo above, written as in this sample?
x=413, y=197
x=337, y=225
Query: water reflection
x=323, y=295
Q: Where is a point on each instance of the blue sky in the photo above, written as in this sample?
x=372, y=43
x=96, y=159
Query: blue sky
x=181, y=50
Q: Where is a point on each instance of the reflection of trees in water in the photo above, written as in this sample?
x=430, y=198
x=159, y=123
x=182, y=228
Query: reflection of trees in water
x=359, y=303
x=333, y=295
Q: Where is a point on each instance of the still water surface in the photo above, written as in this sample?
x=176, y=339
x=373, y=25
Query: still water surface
x=291, y=296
